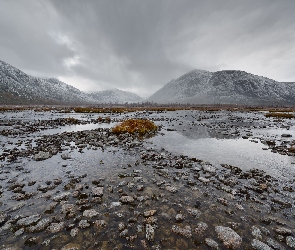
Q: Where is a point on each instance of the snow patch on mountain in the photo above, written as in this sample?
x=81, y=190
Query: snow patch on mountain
x=225, y=87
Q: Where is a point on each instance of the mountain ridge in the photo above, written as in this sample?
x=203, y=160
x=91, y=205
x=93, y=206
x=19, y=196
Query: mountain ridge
x=19, y=88
x=225, y=87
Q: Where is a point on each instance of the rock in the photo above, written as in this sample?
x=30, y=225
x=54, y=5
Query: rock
x=27, y=221
x=124, y=233
x=74, y=232
x=179, y=217
x=274, y=244
x=258, y=245
x=204, y=180
x=256, y=232
x=65, y=156
x=150, y=220
x=149, y=232
x=84, y=224
x=194, y=212
x=97, y=191
x=61, y=196
x=71, y=246
x=290, y=241
x=283, y=231
x=185, y=231
x=68, y=208
x=126, y=199
x=19, y=232
x=211, y=243
x=90, y=213
x=121, y=226
x=171, y=189
x=41, y=156
x=201, y=228
x=229, y=237
x=40, y=226
x=149, y=213
x=56, y=227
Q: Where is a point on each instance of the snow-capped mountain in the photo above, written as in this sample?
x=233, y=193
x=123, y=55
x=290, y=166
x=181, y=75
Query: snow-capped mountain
x=115, y=96
x=225, y=87
x=17, y=87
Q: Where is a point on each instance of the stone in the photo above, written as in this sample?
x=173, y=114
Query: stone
x=290, y=241
x=27, y=221
x=256, y=232
x=84, y=224
x=74, y=232
x=258, y=245
x=229, y=237
x=185, y=231
x=97, y=191
x=90, y=213
x=126, y=199
x=211, y=243
x=274, y=244
x=149, y=213
x=149, y=232
x=41, y=156
x=71, y=246
x=179, y=217
x=61, y=196
x=283, y=231
x=40, y=226
x=201, y=228
x=56, y=227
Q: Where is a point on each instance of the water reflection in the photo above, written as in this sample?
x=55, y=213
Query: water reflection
x=238, y=152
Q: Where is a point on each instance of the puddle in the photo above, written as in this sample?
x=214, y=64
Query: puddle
x=237, y=152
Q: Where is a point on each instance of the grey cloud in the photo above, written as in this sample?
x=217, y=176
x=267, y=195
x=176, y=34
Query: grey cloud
x=141, y=45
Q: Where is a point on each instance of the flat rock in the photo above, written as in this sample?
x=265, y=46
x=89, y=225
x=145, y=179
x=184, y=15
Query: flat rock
x=126, y=199
x=229, y=237
x=259, y=245
x=290, y=241
x=27, y=221
x=97, y=191
x=56, y=227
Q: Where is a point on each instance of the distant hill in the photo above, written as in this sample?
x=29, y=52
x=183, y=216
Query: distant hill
x=17, y=88
x=225, y=87
x=115, y=96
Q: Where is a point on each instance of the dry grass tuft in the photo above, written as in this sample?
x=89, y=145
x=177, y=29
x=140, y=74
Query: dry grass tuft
x=280, y=115
x=132, y=126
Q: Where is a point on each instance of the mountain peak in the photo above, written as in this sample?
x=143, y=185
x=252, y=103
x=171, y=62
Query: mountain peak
x=225, y=87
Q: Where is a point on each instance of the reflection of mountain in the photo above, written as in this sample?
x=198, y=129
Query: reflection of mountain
x=115, y=96
x=225, y=87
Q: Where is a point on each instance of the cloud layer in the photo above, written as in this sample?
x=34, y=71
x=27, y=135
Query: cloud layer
x=141, y=45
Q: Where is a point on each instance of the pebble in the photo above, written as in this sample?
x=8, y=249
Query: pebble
x=211, y=243
x=229, y=237
x=290, y=241
x=258, y=245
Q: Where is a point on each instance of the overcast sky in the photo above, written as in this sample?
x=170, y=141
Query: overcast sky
x=140, y=45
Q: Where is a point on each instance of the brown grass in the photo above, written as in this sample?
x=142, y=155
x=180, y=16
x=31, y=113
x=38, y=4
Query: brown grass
x=132, y=126
x=280, y=115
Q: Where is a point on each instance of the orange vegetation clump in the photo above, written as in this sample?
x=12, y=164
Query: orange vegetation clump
x=132, y=126
x=280, y=115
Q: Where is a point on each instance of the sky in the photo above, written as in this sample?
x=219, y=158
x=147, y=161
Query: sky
x=140, y=45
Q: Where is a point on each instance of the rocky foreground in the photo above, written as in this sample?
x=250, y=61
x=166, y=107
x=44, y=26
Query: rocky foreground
x=93, y=189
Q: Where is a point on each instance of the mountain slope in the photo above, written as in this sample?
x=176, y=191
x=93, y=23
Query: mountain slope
x=17, y=87
x=225, y=87
x=114, y=96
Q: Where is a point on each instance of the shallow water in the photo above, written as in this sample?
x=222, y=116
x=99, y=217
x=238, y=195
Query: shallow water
x=237, y=152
